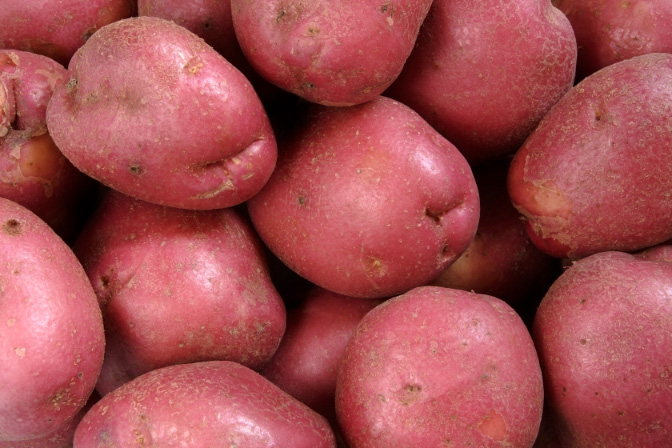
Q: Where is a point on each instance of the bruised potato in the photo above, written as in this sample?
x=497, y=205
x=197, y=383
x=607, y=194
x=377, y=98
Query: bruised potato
x=151, y=110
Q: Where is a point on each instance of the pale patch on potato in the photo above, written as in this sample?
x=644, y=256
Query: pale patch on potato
x=494, y=426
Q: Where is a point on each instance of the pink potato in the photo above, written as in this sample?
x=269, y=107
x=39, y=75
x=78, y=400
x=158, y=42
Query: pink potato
x=33, y=172
x=609, y=31
x=439, y=367
x=483, y=73
x=151, y=110
x=604, y=336
x=367, y=201
x=57, y=28
x=596, y=174
x=51, y=329
x=178, y=286
x=206, y=404
x=336, y=53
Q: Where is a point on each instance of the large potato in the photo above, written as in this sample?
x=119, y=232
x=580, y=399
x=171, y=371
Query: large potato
x=178, y=286
x=439, y=367
x=33, y=172
x=604, y=336
x=596, y=174
x=51, y=329
x=367, y=201
x=208, y=404
x=330, y=52
x=151, y=110
x=483, y=73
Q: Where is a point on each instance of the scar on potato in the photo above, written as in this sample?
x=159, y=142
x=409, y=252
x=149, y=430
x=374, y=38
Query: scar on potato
x=12, y=227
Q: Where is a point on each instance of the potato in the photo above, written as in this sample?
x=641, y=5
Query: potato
x=611, y=31
x=484, y=73
x=367, y=201
x=329, y=52
x=33, y=172
x=604, y=336
x=178, y=286
x=51, y=329
x=440, y=367
x=57, y=28
x=152, y=111
x=596, y=174
x=206, y=404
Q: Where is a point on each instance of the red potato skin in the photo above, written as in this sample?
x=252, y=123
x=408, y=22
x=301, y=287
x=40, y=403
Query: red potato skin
x=603, y=332
x=207, y=404
x=440, y=367
x=596, y=174
x=56, y=29
x=367, y=201
x=33, y=172
x=178, y=286
x=307, y=359
x=610, y=31
x=51, y=332
x=484, y=73
x=151, y=110
x=335, y=53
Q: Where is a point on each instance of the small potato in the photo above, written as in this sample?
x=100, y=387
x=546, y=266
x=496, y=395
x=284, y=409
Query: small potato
x=151, y=110
x=56, y=29
x=51, y=329
x=596, y=174
x=367, y=201
x=336, y=53
x=178, y=286
x=604, y=336
x=207, y=404
x=439, y=367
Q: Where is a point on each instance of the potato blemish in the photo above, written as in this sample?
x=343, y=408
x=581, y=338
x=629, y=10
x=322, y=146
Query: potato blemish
x=494, y=427
x=12, y=227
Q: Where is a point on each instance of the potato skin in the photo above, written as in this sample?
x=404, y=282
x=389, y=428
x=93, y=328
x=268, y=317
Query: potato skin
x=440, y=367
x=596, y=174
x=336, y=53
x=56, y=29
x=178, y=286
x=51, y=332
x=604, y=336
x=151, y=110
x=367, y=201
x=206, y=404
x=483, y=73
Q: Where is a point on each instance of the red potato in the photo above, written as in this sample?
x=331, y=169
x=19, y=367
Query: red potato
x=307, y=359
x=151, y=110
x=57, y=28
x=483, y=73
x=51, y=329
x=33, y=172
x=604, y=336
x=367, y=201
x=178, y=286
x=596, y=174
x=336, y=53
x=440, y=367
x=609, y=31
x=207, y=404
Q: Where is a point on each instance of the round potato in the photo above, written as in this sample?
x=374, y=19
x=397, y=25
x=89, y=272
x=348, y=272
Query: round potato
x=51, y=329
x=151, y=110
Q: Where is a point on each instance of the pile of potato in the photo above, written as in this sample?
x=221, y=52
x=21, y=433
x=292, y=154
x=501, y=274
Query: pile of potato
x=306, y=224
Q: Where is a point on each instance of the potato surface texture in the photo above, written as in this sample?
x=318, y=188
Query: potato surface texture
x=440, y=367
x=152, y=111
x=596, y=174
x=367, y=201
x=178, y=286
x=51, y=329
x=209, y=404
x=604, y=336
x=334, y=52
